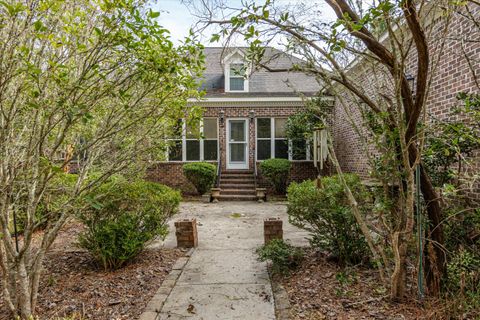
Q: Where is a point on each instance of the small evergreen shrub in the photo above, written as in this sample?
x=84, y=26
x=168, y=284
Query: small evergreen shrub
x=276, y=171
x=201, y=174
x=123, y=217
x=326, y=214
x=284, y=256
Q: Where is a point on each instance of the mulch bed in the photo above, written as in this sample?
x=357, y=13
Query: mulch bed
x=73, y=285
x=320, y=289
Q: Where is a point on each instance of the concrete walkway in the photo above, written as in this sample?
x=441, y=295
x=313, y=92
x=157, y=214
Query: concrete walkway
x=223, y=278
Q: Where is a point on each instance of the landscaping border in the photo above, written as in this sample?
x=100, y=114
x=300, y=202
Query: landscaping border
x=281, y=301
x=155, y=305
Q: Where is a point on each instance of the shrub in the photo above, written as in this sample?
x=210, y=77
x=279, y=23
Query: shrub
x=201, y=174
x=325, y=213
x=276, y=171
x=462, y=227
x=123, y=217
x=283, y=255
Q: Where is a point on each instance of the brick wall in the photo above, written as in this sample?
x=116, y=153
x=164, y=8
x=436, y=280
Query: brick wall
x=243, y=112
x=452, y=75
x=300, y=171
x=171, y=173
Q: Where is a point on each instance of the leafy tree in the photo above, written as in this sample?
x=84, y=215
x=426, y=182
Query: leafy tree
x=451, y=142
x=100, y=78
x=386, y=96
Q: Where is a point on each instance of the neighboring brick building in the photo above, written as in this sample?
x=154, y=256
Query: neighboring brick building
x=245, y=112
x=452, y=74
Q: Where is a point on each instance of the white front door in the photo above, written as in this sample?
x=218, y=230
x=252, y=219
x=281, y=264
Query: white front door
x=237, y=144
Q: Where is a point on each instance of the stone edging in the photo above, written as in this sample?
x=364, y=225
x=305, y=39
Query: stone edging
x=282, y=303
x=155, y=305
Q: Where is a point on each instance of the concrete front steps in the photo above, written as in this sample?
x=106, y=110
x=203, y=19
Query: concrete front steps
x=237, y=185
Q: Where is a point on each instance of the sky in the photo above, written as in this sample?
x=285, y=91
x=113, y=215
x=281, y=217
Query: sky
x=178, y=18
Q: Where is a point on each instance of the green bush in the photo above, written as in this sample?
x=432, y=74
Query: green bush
x=201, y=174
x=462, y=227
x=123, y=217
x=276, y=171
x=326, y=214
x=284, y=256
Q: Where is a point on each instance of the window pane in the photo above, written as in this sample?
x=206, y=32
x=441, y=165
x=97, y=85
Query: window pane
x=175, y=151
x=193, y=150
x=237, y=70
x=176, y=130
x=237, y=130
x=193, y=130
x=310, y=149
x=263, y=149
x=299, y=149
x=280, y=124
x=281, y=149
x=210, y=128
x=237, y=152
x=210, y=150
x=237, y=84
x=263, y=128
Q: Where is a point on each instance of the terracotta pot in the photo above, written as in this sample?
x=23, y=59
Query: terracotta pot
x=215, y=194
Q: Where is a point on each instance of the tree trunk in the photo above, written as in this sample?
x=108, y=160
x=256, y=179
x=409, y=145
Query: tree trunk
x=23, y=293
x=399, y=246
x=435, y=262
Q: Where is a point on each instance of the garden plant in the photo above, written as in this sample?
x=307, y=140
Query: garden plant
x=276, y=171
x=201, y=174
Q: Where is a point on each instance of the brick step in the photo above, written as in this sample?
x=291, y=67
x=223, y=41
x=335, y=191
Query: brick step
x=238, y=191
x=237, y=172
x=237, y=186
x=235, y=181
x=241, y=197
x=236, y=177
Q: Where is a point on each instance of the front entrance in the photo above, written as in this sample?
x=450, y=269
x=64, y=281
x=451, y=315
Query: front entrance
x=237, y=143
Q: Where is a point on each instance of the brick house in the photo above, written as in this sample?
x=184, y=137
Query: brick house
x=457, y=70
x=245, y=112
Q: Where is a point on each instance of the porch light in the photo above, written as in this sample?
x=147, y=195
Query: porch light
x=411, y=81
x=221, y=115
x=251, y=115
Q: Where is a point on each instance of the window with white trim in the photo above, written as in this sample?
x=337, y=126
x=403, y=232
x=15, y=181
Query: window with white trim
x=272, y=141
x=281, y=142
x=195, y=142
x=237, y=77
x=175, y=142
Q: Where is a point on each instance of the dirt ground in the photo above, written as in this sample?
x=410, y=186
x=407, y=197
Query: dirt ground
x=320, y=289
x=73, y=285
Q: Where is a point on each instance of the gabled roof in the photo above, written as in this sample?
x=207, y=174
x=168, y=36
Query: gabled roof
x=262, y=83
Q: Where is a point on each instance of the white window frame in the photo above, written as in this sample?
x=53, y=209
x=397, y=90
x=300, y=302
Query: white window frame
x=273, y=139
x=184, y=140
x=246, y=164
x=227, y=75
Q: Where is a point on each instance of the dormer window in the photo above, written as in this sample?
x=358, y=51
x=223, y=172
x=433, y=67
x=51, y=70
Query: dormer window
x=237, y=77
x=236, y=72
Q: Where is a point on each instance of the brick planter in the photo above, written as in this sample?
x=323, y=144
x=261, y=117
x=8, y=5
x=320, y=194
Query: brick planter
x=186, y=233
x=272, y=229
